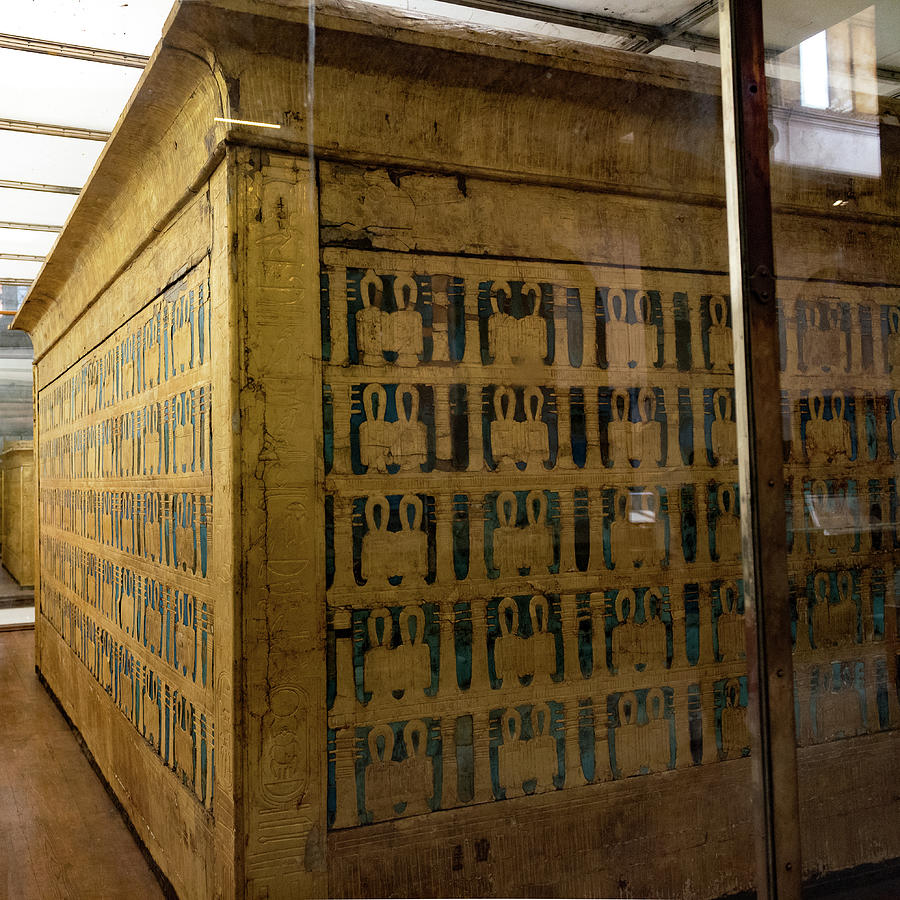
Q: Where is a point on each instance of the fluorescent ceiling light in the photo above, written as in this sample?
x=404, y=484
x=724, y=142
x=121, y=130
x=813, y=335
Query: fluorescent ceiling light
x=35, y=206
x=64, y=91
x=36, y=243
x=47, y=159
x=15, y=268
x=109, y=24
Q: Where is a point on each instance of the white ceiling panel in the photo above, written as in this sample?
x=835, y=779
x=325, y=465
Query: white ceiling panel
x=34, y=243
x=133, y=26
x=649, y=12
x=14, y=268
x=35, y=207
x=40, y=88
x=46, y=159
x=486, y=19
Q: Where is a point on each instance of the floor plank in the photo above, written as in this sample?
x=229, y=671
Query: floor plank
x=61, y=834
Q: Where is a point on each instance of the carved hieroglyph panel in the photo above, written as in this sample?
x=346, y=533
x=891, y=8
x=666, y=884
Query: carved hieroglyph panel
x=533, y=532
x=282, y=529
x=17, y=510
x=840, y=368
x=533, y=537
x=126, y=523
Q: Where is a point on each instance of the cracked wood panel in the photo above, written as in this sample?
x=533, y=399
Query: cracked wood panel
x=282, y=526
x=406, y=210
x=502, y=436
x=131, y=579
x=17, y=511
x=181, y=246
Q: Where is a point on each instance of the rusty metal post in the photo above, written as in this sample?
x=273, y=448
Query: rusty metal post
x=758, y=408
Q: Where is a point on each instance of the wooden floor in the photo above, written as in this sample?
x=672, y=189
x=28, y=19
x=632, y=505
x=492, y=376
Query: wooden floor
x=60, y=835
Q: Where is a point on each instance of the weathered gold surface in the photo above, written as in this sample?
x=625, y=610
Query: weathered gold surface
x=17, y=510
x=389, y=515
x=131, y=589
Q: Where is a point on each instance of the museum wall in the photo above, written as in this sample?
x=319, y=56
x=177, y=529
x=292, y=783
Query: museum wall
x=452, y=563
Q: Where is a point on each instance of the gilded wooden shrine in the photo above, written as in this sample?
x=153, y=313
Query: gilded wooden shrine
x=389, y=509
x=17, y=506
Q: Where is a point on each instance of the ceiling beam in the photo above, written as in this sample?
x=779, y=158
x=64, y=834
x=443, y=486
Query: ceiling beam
x=676, y=28
x=525, y=9
x=625, y=28
x=15, y=282
x=67, y=131
x=72, y=51
x=21, y=257
x=36, y=186
x=29, y=226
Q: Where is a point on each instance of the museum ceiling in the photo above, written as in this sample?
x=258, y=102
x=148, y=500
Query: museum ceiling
x=67, y=68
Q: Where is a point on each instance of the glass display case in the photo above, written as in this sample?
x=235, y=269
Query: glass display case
x=466, y=442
